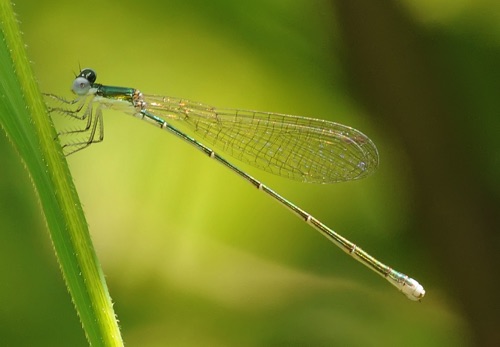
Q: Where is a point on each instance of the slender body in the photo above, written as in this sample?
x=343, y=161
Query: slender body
x=304, y=149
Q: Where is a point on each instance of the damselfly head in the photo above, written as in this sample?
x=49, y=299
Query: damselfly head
x=83, y=82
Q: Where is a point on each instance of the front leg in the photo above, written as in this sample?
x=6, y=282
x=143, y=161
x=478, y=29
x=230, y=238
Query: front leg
x=72, y=108
x=94, y=132
x=81, y=109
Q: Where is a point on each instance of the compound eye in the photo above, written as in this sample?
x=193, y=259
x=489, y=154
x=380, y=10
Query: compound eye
x=89, y=74
x=81, y=86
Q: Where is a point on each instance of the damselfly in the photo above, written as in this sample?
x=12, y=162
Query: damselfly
x=304, y=149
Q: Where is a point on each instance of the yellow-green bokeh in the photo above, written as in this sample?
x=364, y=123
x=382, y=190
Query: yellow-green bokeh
x=193, y=255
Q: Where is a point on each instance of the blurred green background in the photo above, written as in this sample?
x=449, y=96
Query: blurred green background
x=192, y=254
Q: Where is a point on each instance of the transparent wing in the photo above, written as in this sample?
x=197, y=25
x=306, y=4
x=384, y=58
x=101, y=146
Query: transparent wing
x=299, y=148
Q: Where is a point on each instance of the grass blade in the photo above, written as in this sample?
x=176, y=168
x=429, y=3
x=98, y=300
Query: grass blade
x=24, y=119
